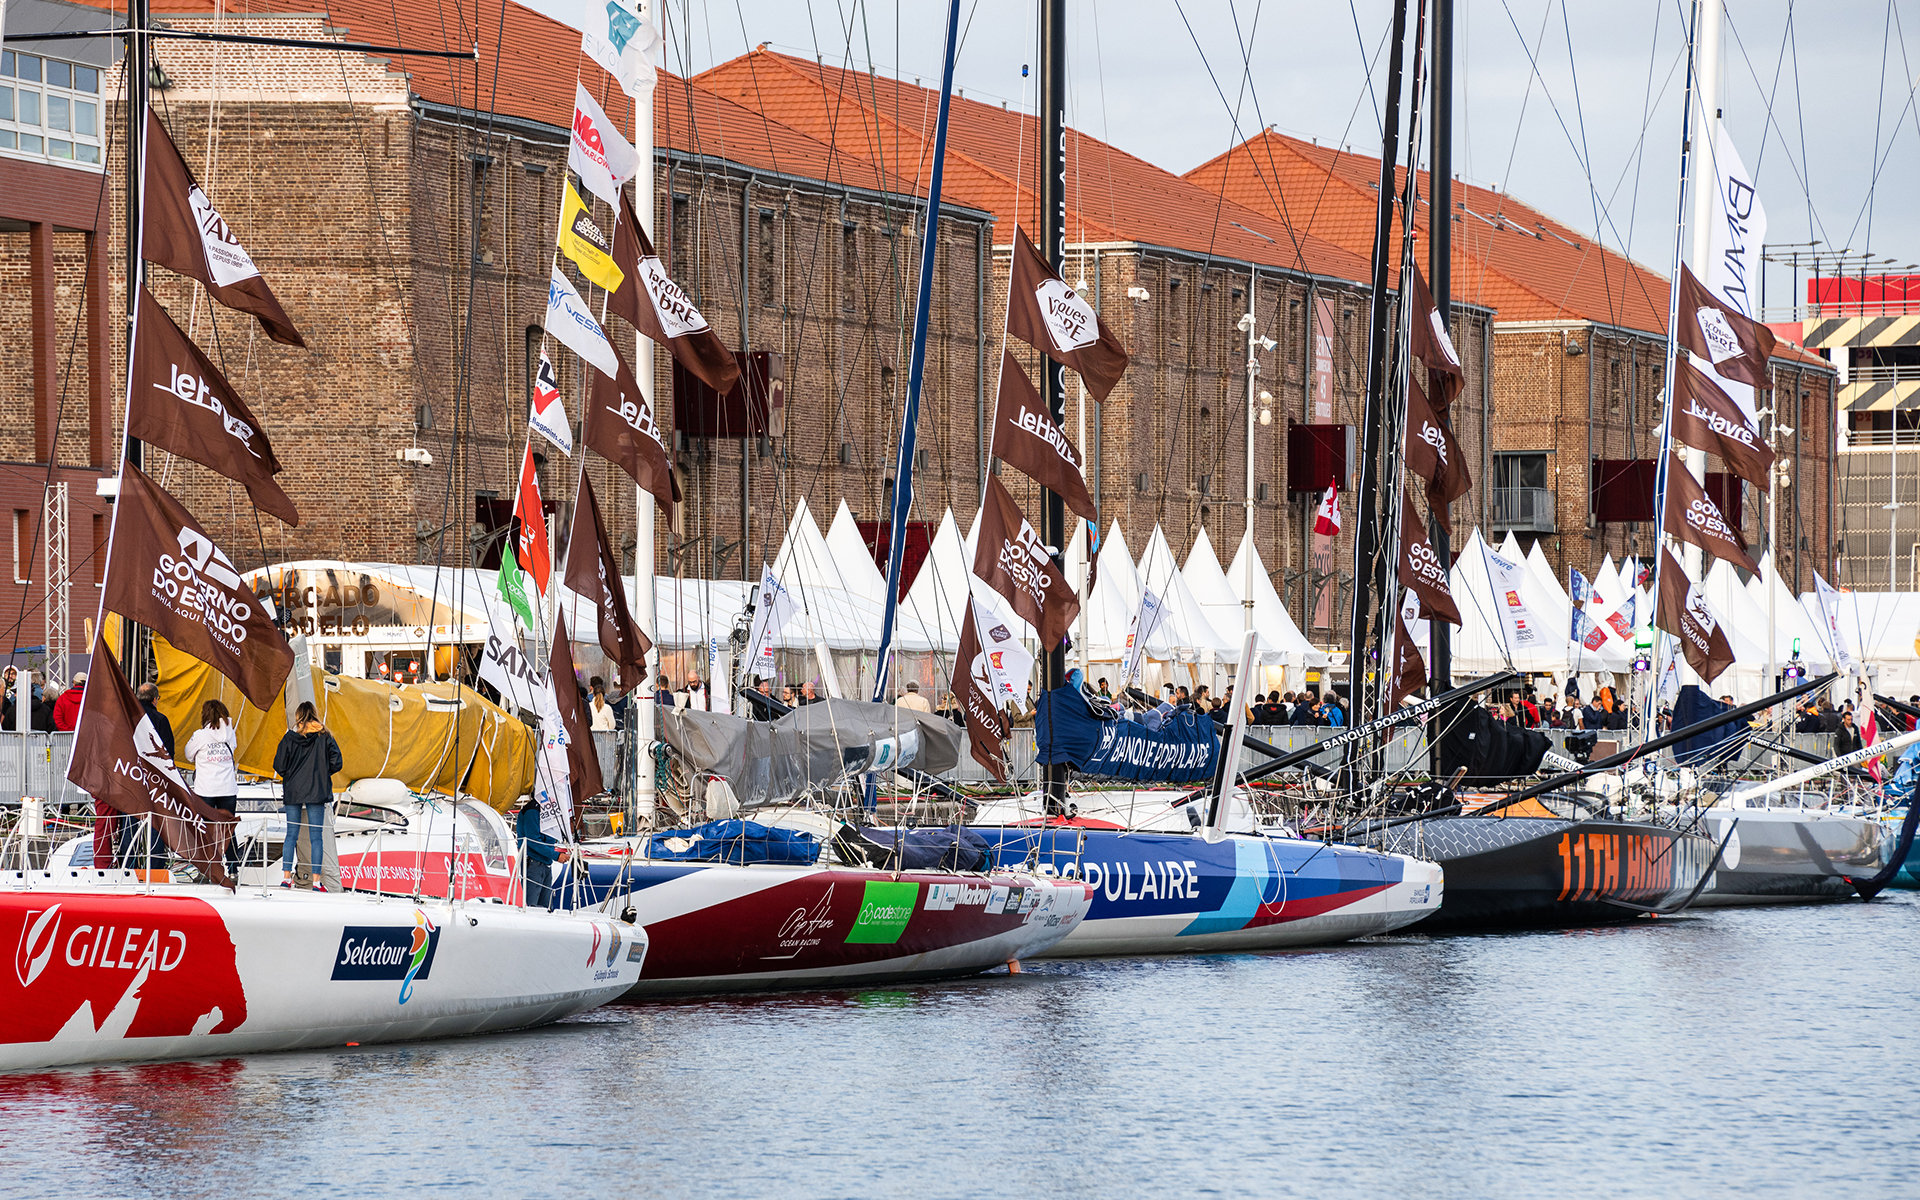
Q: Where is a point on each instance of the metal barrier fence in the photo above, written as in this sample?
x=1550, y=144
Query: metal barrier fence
x=35, y=764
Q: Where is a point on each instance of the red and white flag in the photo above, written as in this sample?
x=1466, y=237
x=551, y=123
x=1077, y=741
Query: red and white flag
x=598, y=154
x=531, y=547
x=549, y=415
x=1326, y=521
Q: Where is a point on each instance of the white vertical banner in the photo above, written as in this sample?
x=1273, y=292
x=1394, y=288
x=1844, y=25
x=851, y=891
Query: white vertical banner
x=1524, y=630
x=771, y=613
x=1146, y=620
x=1842, y=651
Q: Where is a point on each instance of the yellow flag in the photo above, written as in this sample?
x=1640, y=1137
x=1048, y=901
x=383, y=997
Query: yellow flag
x=582, y=241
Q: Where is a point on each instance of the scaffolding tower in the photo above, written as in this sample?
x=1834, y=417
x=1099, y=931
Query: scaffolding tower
x=59, y=585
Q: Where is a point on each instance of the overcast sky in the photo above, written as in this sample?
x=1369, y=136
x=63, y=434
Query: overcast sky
x=1148, y=76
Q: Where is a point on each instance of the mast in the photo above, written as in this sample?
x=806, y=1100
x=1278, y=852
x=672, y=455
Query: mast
x=910, y=414
x=139, y=52
x=1440, y=281
x=643, y=514
x=1053, y=243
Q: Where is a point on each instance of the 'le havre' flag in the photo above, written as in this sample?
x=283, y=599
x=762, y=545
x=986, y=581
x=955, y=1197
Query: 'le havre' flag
x=1025, y=436
x=620, y=427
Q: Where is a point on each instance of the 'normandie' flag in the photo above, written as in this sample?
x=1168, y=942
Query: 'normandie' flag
x=1013, y=561
x=654, y=304
x=118, y=759
x=987, y=724
x=1682, y=610
x=182, y=403
x=1409, y=665
x=582, y=241
x=1045, y=313
x=621, y=428
x=593, y=570
x=166, y=573
x=185, y=233
x=1025, y=436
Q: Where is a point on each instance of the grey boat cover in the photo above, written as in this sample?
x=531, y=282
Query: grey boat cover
x=769, y=762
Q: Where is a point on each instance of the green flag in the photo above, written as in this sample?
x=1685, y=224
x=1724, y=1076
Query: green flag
x=513, y=587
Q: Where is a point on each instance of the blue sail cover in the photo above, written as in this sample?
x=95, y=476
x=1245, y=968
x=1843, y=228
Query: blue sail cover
x=1693, y=705
x=1183, y=750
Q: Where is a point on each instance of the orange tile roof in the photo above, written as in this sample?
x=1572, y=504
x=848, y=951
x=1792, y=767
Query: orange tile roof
x=1113, y=196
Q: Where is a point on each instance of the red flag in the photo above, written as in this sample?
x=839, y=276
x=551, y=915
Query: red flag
x=1326, y=520
x=183, y=404
x=1683, y=611
x=1013, y=560
x=1422, y=570
x=531, y=548
x=621, y=428
x=593, y=570
x=118, y=758
x=583, y=762
x=1045, y=313
x=166, y=573
x=183, y=232
x=657, y=306
x=1025, y=436
x=1736, y=345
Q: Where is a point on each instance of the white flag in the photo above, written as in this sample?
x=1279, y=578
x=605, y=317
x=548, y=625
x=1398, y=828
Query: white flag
x=1146, y=620
x=775, y=608
x=1524, y=628
x=1739, y=228
x=1004, y=661
x=1414, y=626
x=599, y=155
x=569, y=319
x=519, y=677
x=548, y=417
x=617, y=34
x=1843, y=660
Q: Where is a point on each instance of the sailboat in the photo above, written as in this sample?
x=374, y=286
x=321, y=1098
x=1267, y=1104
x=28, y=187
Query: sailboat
x=166, y=954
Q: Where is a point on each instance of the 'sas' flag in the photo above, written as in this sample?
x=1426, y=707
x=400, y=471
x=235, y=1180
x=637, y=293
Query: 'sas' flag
x=621, y=428
x=1045, y=313
x=583, y=764
x=593, y=570
x=657, y=306
x=1025, y=436
x=183, y=232
x=1682, y=610
x=166, y=573
x=182, y=403
x=530, y=544
x=1013, y=561
x=118, y=759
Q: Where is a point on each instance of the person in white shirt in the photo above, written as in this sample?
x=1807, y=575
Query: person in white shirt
x=912, y=699
x=599, y=711
x=215, y=779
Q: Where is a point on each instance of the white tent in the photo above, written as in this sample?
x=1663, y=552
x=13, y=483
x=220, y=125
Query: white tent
x=1746, y=630
x=804, y=563
x=1791, y=622
x=848, y=553
x=1481, y=644
x=1186, y=624
x=1270, y=616
x=1224, y=610
x=1880, y=628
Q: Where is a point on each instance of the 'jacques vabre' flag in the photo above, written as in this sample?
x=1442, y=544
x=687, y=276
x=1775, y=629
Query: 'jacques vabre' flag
x=183, y=232
x=655, y=305
x=118, y=758
x=620, y=427
x=1422, y=570
x=1026, y=437
x=1045, y=313
x=593, y=570
x=182, y=403
x=1683, y=611
x=1693, y=517
x=1013, y=561
x=1737, y=346
x=1706, y=418
x=167, y=574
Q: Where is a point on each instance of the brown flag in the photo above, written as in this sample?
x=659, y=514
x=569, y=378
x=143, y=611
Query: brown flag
x=1045, y=313
x=987, y=725
x=1422, y=570
x=1706, y=418
x=657, y=306
x=1025, y=436
x=166, y=573
x=1409, y=668
x=1432, y=345
x=583, y=762
x=1736, y=345
x=183, y=232
x=621, y=428
x=594, y=572
x=1435, y=455
x=183, y=404
x=1693, y=517
x=1682, y=610
x=1013, y=561
x=118, y=759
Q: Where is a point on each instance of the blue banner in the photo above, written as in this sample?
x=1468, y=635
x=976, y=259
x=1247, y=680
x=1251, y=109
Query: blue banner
x=1182, y=750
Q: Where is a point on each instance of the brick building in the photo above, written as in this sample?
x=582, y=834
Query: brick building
x=1578, y=349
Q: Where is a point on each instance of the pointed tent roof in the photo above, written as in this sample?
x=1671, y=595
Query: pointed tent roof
x=804, y=562
x=848, y=552
x=1185, y=621
x=1481, y=641
x=1115, y=599
x=1270, y=616
x=938, y=596
x=1226, y=612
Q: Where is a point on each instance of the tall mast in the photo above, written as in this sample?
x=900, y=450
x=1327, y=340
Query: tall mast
x=1706, y=97
x=643, y=514
x=1440, y=279
x=1053, y=243
x=139, y=50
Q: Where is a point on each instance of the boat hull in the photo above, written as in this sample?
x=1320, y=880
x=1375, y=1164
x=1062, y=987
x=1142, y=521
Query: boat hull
x=1545, y=872
x=721, y=928
x=110, y=969
x=1908, y=876
x=1789, y=856
x=1173, y=893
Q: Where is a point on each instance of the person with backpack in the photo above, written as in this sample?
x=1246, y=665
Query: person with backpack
x=306, y=761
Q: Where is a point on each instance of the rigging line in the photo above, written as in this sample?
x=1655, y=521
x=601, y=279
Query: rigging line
x=1586, y=154
x=1879, y=115
x=1646, y=119
x=1800, y=114
x=1366, y=67
x=1801, y=170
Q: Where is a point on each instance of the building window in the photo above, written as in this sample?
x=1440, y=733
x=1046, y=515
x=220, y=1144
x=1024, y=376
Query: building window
x=1521, y=499
x=49, y=107
x=1520, y=470
x=850, y=269
x=22, y=544
x=766, y=257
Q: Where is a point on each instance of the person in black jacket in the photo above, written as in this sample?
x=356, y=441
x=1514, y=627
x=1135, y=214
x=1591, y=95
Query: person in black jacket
x=149, y=696
x=1847, y=738
x=306, y=762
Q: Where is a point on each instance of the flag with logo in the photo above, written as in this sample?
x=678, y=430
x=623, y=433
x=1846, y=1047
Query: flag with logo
x=119, y=760
x=583, y=763
x=1026, y=436
x=1140, y=630
x=1433, y=346
x=654, y=304
x=1523, y=626
x=602, y=159
x=181, y=403
x=1684, y=612
x=1737, y=230
x=1013, y=561
x=993, y=669
x=1434, y=454
x=1045, y=313
x=1326, y=527
x=620, y=428
x=1422, y=570
x=570, y=320
x=530, y=544
x=582, y=240
x=1409, y=650
x=1621, y=620
x=183, y=232
x=1736, y=345
x=520, y=678
x=166, y=573
x=771, y=612
x=1326, y=519
x=1837, y=644
x=593, y=571
x=549, y=415
x=1707, y=418
x=1693, y=517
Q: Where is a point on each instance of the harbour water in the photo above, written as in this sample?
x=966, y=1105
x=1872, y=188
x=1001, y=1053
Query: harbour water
x=1768, y=1051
